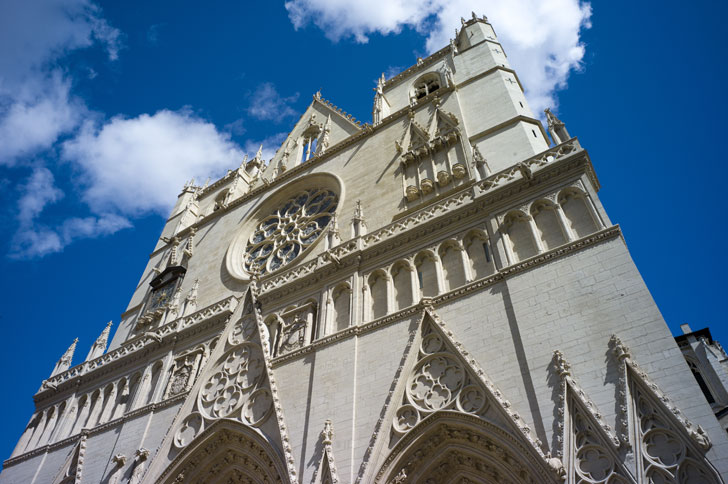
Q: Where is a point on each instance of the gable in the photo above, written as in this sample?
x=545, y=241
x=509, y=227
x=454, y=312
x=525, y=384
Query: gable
x=320, y=116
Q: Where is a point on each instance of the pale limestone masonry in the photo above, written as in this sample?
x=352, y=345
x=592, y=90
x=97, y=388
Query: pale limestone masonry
x=438, y=296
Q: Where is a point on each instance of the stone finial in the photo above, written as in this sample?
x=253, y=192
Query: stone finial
x=119, y=460
x=141, y=454
x=557, y=129
x=99, y=346
x=562, y=366
x=621, y=351
x=65, y=362
x=453, y=46
x=317, y=95
x=327, y=434
x=358, y=224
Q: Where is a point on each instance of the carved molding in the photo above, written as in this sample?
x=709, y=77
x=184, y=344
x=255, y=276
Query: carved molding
x=91, y=370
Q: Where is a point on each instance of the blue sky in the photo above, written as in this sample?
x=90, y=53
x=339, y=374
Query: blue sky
x=107, y=108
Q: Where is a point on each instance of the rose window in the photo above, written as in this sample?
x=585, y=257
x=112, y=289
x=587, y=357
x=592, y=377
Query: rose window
x=289, y=231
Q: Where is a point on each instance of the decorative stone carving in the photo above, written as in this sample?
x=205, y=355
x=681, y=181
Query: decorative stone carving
x=443, y=178
x=239, y=386
x=326, y=471
x=289, y=231
x=586, y=443
x=184, y=371
x=426, y=185
x=99, y=346
x=669, y=447
x=412, y=193
x=458, y=171
x=65, y=362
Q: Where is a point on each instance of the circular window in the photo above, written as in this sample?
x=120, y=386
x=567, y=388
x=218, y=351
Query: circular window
x=289, y=230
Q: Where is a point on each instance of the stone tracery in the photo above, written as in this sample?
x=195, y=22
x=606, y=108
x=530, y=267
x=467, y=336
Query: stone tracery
x=291, y=229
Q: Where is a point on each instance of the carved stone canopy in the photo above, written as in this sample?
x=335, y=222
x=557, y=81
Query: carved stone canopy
x=228, y=451
x=448, y=443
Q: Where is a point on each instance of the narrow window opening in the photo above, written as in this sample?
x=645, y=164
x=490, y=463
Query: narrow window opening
x=420, y=278
x=519, y=102
x=534, y=133
x=702, y=383
x=487, y=252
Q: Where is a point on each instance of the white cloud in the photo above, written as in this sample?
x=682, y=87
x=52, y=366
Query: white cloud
x=267, y=104
x=137, y=166
x=541, y=38
x=36, y=118
x=39, y=191
x=35, y=33
x=36, y=105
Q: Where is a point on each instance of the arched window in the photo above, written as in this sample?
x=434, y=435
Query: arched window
x=452, y=264
x=97, y=401
x=378, y=294
x=576, y=211
x=519, y=232
x=426, y=84
x=479, y=255
x=81, y=414
x=402, y=282
x=426, y=274
x=342, y=307
x=154, y=381
x=549, y=226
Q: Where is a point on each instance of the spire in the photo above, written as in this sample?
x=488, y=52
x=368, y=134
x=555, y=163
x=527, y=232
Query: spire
x=65, y=362
x=359, y=226
x=99, y=346
x=253, y=166
x=380, y=110
x=557, y=129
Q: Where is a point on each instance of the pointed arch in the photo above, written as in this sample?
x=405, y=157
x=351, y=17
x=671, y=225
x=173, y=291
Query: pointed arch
x=668, y=447
x=517, y=227
x=402, y=282
x=379, y=293
x=341, y=298
x=449, y=444
x=588, y=447
x=545, y=216
x=578, y=212
x=426, y=263
x=452, y=257
x=480, y=255
x=227, y=451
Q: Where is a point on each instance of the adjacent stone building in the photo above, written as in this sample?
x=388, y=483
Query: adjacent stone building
x=438, y=296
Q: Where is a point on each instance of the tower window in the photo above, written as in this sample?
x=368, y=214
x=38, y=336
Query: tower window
x=701, y=382
x=426, y=85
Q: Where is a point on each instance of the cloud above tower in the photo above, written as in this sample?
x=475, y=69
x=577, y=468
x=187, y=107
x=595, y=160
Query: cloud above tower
x=542, y=39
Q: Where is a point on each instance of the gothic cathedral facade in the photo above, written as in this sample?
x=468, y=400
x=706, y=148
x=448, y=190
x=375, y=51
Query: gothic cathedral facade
x=436, y=297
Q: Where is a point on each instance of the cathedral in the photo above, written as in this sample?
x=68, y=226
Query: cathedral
x=437, y=296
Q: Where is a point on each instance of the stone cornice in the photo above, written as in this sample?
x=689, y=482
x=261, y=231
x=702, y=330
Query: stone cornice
x=466, y=290
x=97, y=430
x=131, y=350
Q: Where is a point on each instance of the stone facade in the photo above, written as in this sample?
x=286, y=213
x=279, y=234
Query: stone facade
x=438, y=296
